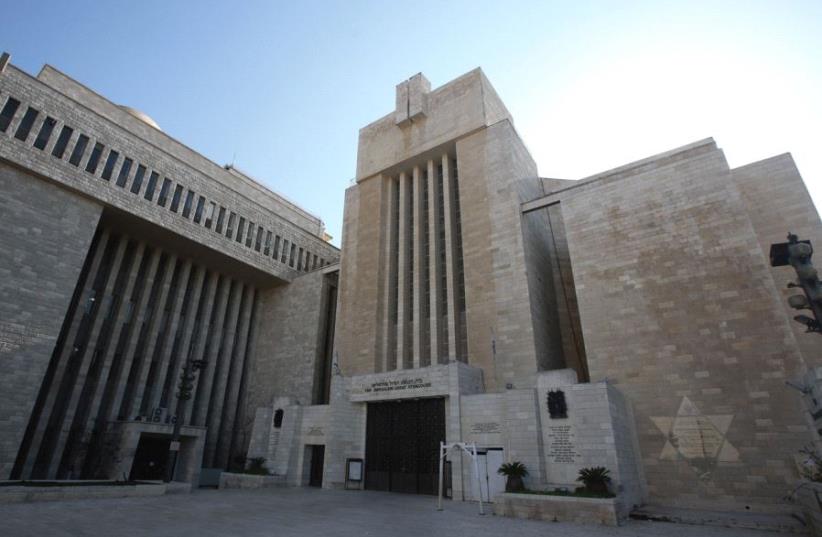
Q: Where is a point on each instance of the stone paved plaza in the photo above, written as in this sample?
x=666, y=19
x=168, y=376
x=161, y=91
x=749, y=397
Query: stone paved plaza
x=302, y=512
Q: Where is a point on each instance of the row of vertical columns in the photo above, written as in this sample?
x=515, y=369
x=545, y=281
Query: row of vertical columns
x=37, y=462
x=416, y=333
x=179, y=350
x=149, y=338
x=235, y=376
x=214, y=342
x=222, y=367
x=136, y=315
x=88, y=355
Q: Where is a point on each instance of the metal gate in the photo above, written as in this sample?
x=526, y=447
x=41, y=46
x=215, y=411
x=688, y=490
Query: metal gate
x=402, y=444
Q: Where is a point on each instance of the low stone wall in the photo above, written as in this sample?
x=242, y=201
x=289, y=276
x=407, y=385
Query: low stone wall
x=558, y=508
x=250, y=481
x=20, y=493
x=809, y=495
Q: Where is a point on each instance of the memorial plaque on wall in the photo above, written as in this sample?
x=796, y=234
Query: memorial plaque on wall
x=562, y=447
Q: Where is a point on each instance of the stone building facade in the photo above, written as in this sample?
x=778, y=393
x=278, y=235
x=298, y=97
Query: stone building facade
x=629, y=320
x=642, y=295
x=126, y=254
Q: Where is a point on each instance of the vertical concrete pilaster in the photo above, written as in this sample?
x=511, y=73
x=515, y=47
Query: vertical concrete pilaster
x=402, y=271
x=389, y=336
x=434, y=265
x=417, y=345
x=450, y=254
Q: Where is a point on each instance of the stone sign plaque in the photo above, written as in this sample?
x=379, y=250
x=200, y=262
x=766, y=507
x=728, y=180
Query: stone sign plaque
x=13, y=336
x=562, y=444
x=487, y=427
x=396, y=385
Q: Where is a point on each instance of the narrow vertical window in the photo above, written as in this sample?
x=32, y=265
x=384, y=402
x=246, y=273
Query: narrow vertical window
x=26, y=124
x=138, y=179
x=7, y=114
x=188, y=203
x=108, y=169
x=163, y=197
x=218, y=227
x=250, y=236
x=267, y=247
x=285, y=251
x=94, y=159
x=151, y=185
x=291, y=255
x=229, y=228
x=276, y=246
x=175, y=198
x=300, y=260
x=259, y=242
x=79, y=150
x=198, y=212
x=314, y=265
x=240, y=230
x=125, y=169
x=62, y=142
x=209, y=216
x=45, y=133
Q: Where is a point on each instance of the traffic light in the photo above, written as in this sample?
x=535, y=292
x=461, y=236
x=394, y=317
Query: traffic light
x=798, y=254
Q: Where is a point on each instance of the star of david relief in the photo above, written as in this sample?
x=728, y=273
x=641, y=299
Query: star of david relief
x=696, y=437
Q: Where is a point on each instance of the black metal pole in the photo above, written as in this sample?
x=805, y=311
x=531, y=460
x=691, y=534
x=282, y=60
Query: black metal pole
x=183, y=395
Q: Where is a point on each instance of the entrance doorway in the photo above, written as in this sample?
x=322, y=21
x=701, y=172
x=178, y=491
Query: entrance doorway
x=315, y=476
x=150, y=458
x=402, y=444
x=490, y=482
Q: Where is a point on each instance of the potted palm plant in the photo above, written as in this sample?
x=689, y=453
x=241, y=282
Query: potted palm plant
x=595, y=479
x=513, y=472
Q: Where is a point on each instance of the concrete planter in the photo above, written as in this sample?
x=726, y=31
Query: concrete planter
x=603, y=511
x=20, y=494
x=250, y=481
x=809, y=496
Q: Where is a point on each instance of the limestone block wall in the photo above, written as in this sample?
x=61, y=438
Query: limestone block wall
x=47, y=232
x=777, y=202
x=288, y=342
x=345, y=437
x=361, y=267
x=680, y=311
x=453, y=110
x=500, y=329
x=201, y=183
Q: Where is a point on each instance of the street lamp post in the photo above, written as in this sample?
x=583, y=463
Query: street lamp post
x=187, y=378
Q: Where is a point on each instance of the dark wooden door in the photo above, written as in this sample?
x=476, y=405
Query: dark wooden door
x=402, y=445
x=317, y=460
x=150, y=459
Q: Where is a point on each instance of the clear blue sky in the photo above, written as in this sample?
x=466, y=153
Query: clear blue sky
x=281, y=88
